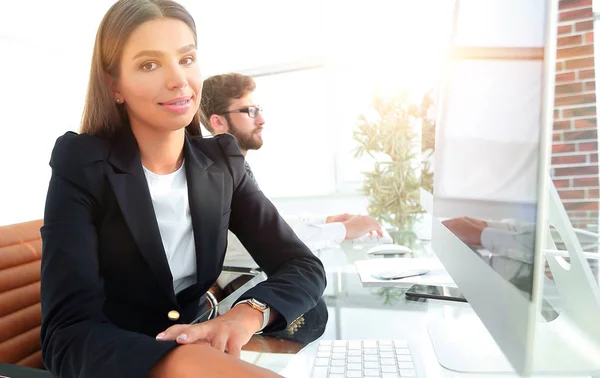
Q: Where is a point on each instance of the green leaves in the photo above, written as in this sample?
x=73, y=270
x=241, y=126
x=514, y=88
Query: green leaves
x=400, y=137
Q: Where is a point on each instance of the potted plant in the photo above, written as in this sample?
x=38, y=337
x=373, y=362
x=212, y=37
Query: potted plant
x=399, y=136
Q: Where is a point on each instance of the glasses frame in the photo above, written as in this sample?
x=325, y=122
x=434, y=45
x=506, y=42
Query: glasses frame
x=252, y=109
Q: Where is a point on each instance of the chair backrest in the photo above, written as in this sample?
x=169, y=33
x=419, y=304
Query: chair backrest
x=20, y=309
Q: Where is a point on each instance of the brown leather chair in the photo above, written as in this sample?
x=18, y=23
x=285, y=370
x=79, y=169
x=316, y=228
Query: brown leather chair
x=20, y=310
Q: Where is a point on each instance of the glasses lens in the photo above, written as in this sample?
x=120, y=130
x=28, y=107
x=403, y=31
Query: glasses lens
x=252, y=111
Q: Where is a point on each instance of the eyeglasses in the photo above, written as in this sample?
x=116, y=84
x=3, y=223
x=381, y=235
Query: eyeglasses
x=252, y=111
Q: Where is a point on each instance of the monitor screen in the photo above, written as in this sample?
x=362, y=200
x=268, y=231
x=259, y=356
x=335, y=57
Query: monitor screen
x=493, y=116
x=486, y=162
x=487, y=138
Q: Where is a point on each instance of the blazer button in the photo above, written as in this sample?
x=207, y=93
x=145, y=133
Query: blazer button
x=173, y=315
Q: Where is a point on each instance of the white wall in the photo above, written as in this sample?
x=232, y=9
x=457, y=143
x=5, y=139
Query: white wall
x=44, y=65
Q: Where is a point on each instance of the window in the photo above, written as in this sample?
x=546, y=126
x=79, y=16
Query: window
x=311, y=109
x=296, y=158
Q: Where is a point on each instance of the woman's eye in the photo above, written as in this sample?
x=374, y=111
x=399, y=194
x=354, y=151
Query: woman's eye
x=187, y=60
x=149, y=66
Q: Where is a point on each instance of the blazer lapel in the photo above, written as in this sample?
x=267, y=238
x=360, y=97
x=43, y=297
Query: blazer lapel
x=205, y=193
x=131, y=190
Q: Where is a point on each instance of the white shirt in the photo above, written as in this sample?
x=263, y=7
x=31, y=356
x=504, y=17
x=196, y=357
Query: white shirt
x=315, y=233
x=312, y=230
x=509, y=239
x=172, y=209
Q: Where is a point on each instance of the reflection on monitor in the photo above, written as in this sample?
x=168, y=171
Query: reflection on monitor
x=491, y=196
x=486, y=163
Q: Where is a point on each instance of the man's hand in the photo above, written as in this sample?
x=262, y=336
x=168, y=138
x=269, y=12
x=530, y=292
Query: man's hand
x=338, y=218
x=228, y=332
x=359, y=225
x=466, y=229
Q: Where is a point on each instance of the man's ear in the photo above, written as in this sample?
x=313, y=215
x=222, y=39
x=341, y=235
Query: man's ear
x=112, y=83
x=218, y=124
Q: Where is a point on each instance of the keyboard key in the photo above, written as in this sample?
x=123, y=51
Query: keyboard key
x=370, y=344
x=406, y=365
x=371, y=365
x=366, y=358
x=389, y=369
x=319, y=372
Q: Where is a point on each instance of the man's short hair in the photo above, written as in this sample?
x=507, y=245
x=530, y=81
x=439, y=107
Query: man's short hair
x=218, y=91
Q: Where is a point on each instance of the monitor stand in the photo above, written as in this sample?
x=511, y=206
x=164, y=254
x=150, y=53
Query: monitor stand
x=569, y=344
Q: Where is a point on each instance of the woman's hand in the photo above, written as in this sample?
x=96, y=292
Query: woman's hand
x=228, y=332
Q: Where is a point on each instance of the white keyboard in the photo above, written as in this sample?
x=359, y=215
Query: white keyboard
x=366, y=358
x=371, y=239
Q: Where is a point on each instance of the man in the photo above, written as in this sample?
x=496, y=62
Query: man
x=228, y=106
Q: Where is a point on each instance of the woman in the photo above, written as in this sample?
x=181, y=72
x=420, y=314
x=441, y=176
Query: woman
x=137, y=214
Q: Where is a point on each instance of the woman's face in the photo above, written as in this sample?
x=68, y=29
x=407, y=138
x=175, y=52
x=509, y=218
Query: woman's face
x=160, y=81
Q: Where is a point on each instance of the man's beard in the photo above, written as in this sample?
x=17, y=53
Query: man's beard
x=246, y=141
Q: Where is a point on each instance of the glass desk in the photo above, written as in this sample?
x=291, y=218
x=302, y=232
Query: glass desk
x=352, y=312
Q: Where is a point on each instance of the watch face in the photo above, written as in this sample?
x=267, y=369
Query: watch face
x=259, y=303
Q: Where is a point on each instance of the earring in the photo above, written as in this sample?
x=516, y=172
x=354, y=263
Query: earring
x=118, y=101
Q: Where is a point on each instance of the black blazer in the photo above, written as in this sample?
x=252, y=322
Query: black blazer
x=106, y=284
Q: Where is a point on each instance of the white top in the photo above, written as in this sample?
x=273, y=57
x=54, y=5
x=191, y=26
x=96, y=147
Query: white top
x=312, y=230
x=172, y=209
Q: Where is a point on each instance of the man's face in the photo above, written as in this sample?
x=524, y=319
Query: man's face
x=247, y=130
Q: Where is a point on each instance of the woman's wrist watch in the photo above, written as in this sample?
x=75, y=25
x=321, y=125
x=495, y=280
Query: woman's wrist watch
x=260, y=306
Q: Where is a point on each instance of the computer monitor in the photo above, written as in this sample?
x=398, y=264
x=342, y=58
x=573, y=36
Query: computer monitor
x=493, y=201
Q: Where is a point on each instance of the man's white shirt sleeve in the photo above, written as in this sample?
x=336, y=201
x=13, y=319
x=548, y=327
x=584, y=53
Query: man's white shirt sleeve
x=312, y=230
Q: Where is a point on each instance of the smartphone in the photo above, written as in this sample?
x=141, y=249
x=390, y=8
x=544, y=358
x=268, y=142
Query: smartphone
x=435, y=292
